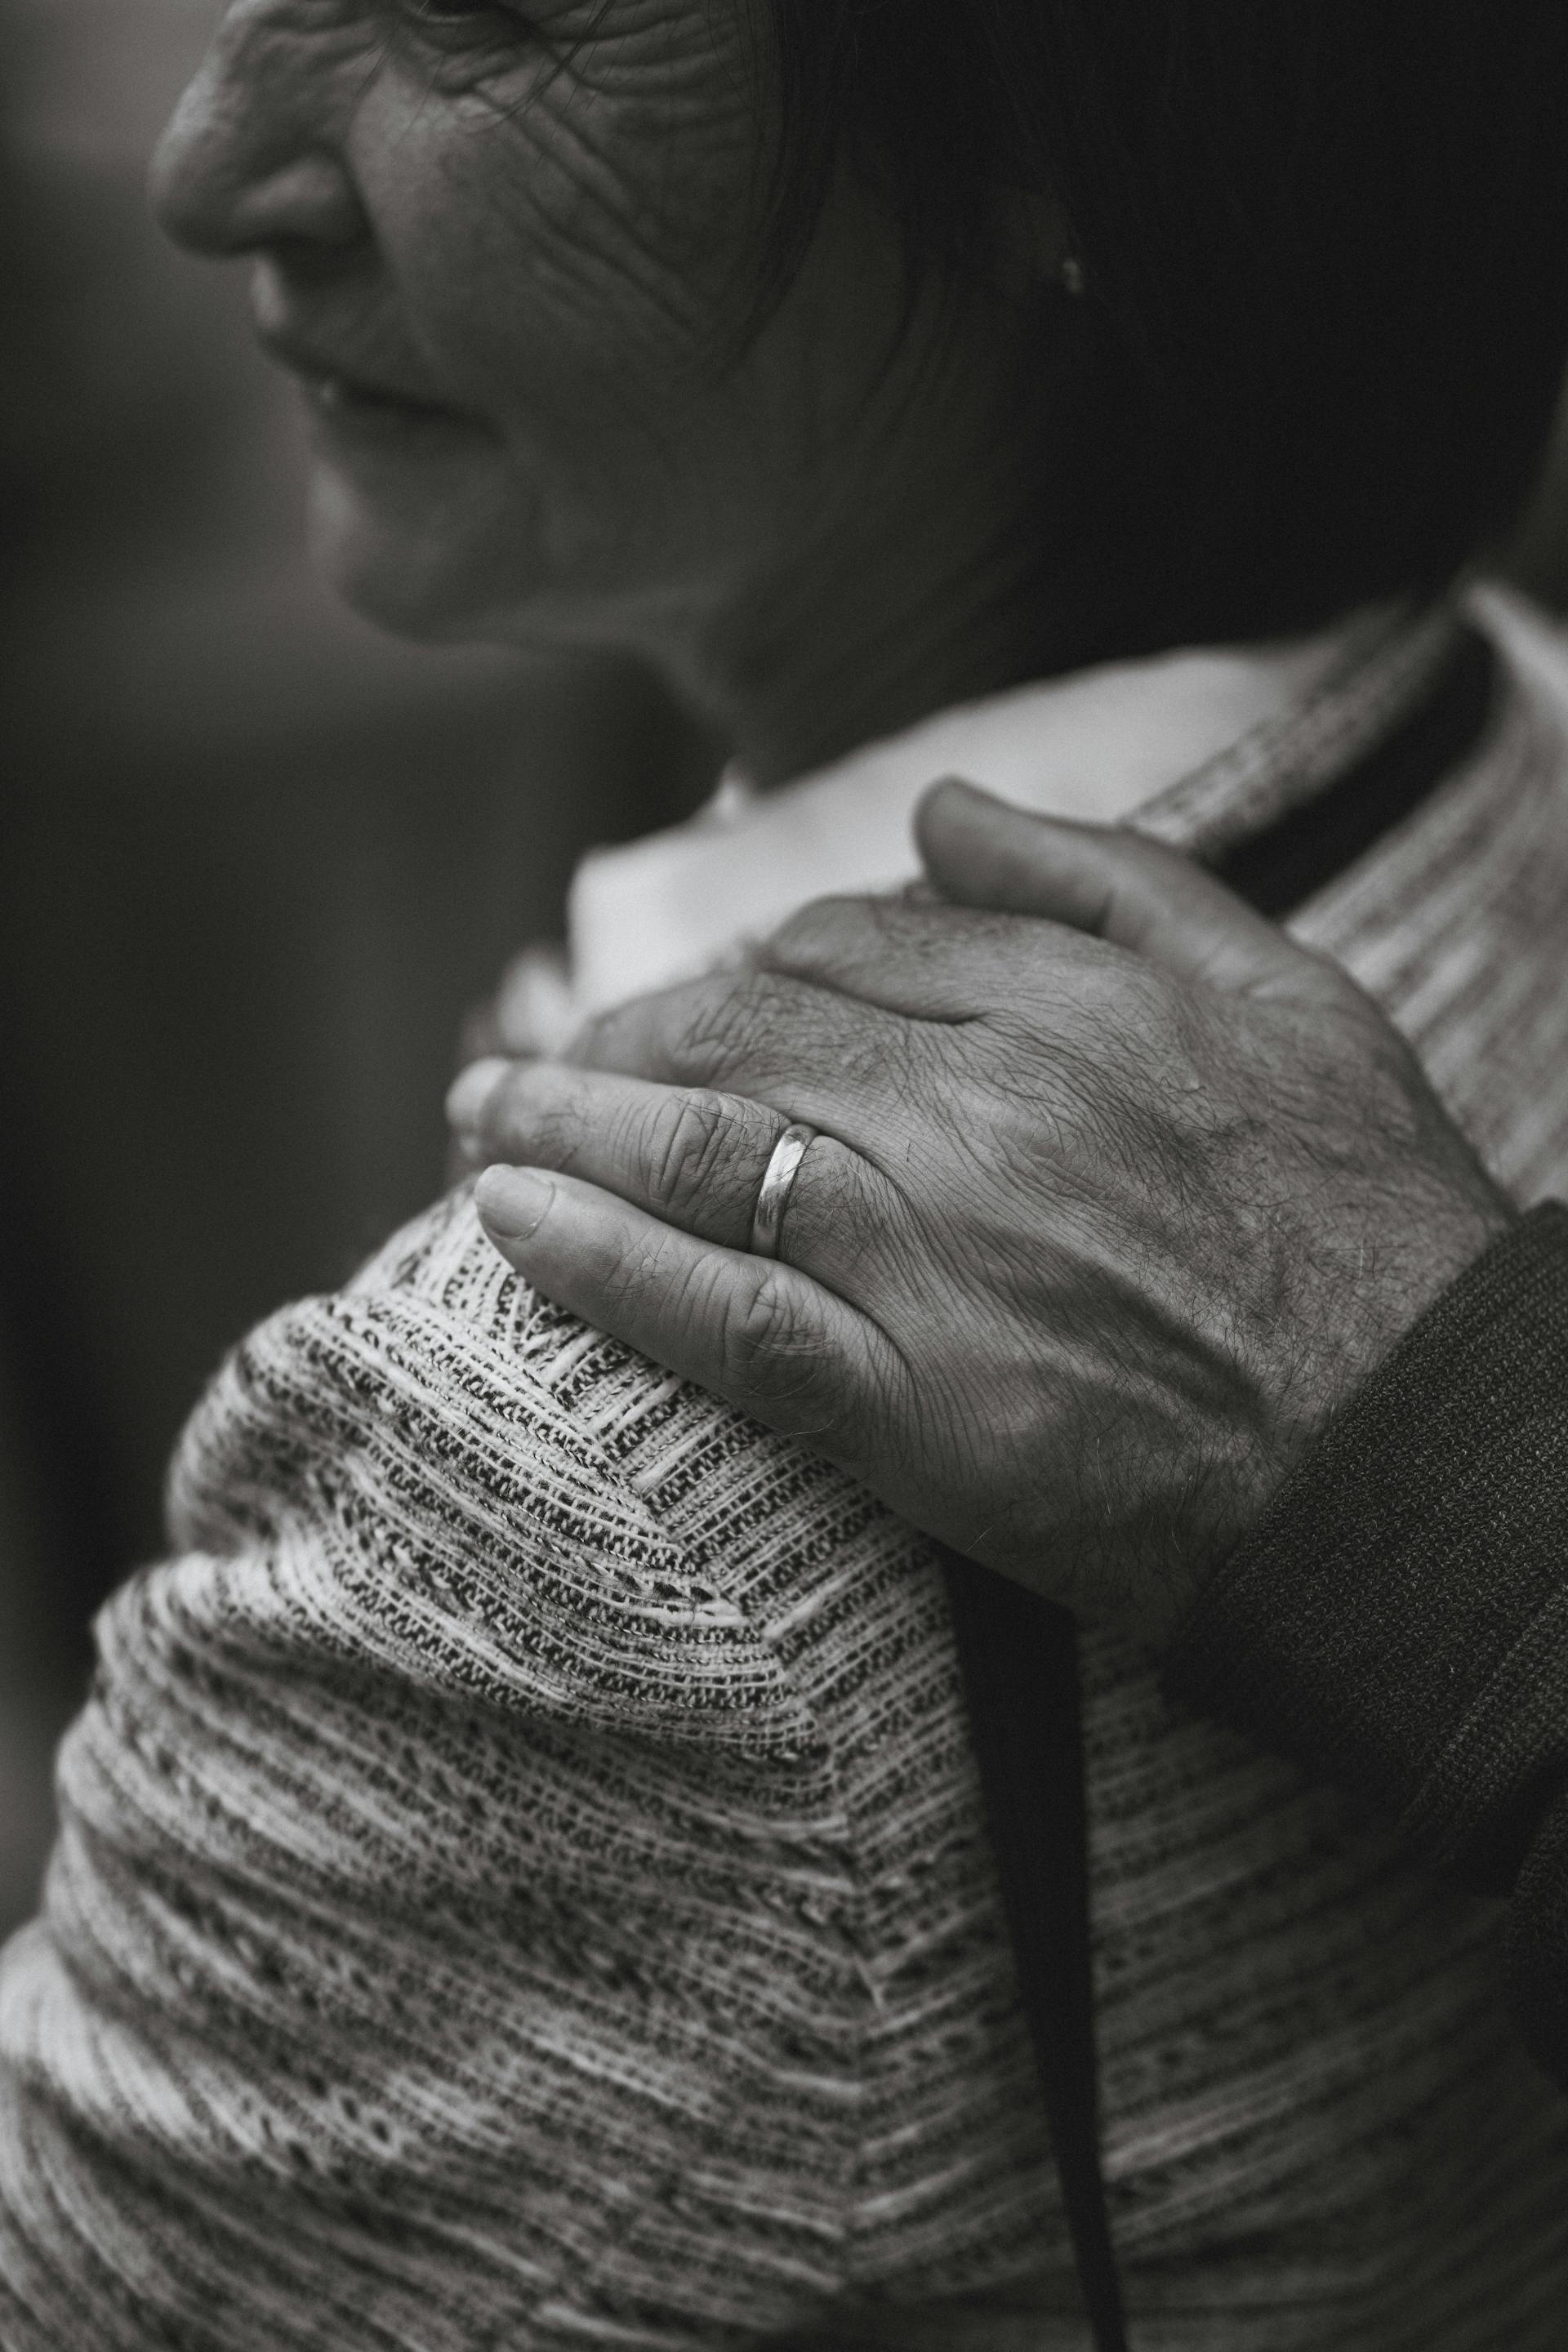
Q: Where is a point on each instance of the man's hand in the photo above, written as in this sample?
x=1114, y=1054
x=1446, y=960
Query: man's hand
x=1117, y=1195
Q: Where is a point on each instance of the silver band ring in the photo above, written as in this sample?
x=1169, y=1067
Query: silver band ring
x=777, y=1185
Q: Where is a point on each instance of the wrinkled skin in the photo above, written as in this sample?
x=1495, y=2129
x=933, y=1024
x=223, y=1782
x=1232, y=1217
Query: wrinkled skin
x=550, y=230
x=1067, y=1308
x=1115, y=1199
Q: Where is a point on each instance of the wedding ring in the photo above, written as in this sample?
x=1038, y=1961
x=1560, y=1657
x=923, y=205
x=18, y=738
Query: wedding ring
x=778, y=1184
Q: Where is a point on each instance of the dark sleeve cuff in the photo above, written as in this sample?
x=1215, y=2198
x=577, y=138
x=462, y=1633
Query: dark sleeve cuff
x=1399, y=1620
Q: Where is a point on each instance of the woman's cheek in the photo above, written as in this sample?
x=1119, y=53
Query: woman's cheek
x=600, y=346
x=624, y=266
x=575, y=267
x=607, y=203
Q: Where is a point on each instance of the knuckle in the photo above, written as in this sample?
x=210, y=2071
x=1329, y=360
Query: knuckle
x=731, y=1030
x=761, y=1332
x=685, y=1148
x=768, y=1350
x=716, y=1029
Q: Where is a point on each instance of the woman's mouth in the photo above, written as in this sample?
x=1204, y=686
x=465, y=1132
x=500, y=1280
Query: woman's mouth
x=343, y=403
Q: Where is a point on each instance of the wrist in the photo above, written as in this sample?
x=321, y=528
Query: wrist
x=1365, y=1308
x=1396, y=1618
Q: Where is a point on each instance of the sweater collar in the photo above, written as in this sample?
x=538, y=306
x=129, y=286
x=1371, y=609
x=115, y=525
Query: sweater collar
x=1202, y=748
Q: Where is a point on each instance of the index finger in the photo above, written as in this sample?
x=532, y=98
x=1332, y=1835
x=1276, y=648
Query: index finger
x=755, y=1331
x=690, y=1156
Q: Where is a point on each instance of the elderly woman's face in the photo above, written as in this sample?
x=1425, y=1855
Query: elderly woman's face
x=514, y=259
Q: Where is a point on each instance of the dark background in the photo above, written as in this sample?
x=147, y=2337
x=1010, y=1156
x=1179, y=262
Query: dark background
x=255, y=863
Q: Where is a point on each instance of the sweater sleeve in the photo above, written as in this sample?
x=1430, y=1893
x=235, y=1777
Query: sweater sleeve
x=443, y=1943
x=1398, y=1622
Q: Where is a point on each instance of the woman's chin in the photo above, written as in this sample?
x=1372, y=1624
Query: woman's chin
x=416, y=558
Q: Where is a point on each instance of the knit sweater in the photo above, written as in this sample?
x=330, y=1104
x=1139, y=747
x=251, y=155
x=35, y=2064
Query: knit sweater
x=522, y=1881
x=1399, y=1620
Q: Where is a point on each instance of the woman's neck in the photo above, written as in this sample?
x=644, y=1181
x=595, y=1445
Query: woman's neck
x=865, y=648
x=952, y=566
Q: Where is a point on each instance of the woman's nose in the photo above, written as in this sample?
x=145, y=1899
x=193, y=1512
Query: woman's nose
x=249, y=157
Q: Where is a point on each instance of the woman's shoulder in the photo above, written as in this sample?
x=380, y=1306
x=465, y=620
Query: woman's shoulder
x=447, y=1452
x=435, y=1341
x=705, y=1474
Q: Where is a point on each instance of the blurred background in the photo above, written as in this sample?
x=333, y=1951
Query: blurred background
x=255, y=861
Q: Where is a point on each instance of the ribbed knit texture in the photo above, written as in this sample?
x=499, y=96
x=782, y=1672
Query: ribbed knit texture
x=1399, y=1620
x=523, y=1883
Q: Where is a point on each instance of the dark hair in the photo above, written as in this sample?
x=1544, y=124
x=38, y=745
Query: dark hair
x=1325, y=246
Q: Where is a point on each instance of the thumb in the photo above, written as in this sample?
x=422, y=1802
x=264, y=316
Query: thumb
x=1133, y=893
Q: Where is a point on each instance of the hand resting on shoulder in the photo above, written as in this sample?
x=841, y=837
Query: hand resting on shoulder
x=1117, y=1194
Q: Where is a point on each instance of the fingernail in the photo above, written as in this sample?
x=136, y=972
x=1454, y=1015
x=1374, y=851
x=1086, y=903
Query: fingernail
x=469, y=1092
x=511, y=1201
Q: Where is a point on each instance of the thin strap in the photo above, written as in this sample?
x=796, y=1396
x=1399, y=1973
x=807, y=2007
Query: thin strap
x=1018, y=1654
x=1277, y=870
